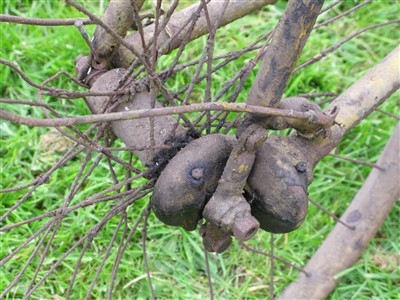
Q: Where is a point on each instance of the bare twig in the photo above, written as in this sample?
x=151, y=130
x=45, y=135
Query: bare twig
x=330, y=49
x=69, y=155
x=247, y=247
x=94, y=230
x=342, y=14
x=331, y=214
x=28, y=262
x=54, y=22
x=103, y=261
x=210, y=284
x=56, y=91
x=121, y=250
x=272, y=268
x=43, y=22
x=38, y=180
x=85, y=36
x=130, y=194
x=110, y=31
x=144, y=238
x=78, y=262
x=164, y=111
x=28, y=240
x=330, y=6
x=235, y=10
x=359, y=100
x=325, y=94
x=388, y=114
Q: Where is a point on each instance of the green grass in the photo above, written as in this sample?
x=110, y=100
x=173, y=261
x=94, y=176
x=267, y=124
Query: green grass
x=176, y=257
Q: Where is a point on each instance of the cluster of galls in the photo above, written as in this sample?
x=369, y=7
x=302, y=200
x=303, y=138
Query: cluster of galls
x=273, y=195
x=275, y=191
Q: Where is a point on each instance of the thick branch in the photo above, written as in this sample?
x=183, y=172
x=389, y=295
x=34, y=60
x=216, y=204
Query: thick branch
x=343, y=246
x=281, y=56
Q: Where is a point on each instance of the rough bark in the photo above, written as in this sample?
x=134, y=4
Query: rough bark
x=281, y=56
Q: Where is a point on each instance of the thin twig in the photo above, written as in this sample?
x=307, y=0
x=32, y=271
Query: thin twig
x=210, y=50
x=146, y=263
x=155, y=112
x=388, y=114
x=316, y=95
x=342, y=14
x=103, y=261
x=94, y=230
x=38, y=179
x=90, y=201
x=56, y=91
x=331, y=214
x=210, y=285
x=272, y=268
x=43, y=22
x=247, y=247
x=357, y=161
x=110, y=31
x=93, y=146
x=44, y=254
x=31, y=257
x=27, y=241
x=45, y=177
x=79, y=24
x=78, y=262
x=59, y=217
x=330, y=6
x=243, y=74
x=334, y=47
x=54, y=22
x=119, y=255
x=121, y=250
x=192, y=21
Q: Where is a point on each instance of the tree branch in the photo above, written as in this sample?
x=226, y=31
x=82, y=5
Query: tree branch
x=358, y=101
x=43, y=22
x=163, y=111
x=280, y=58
